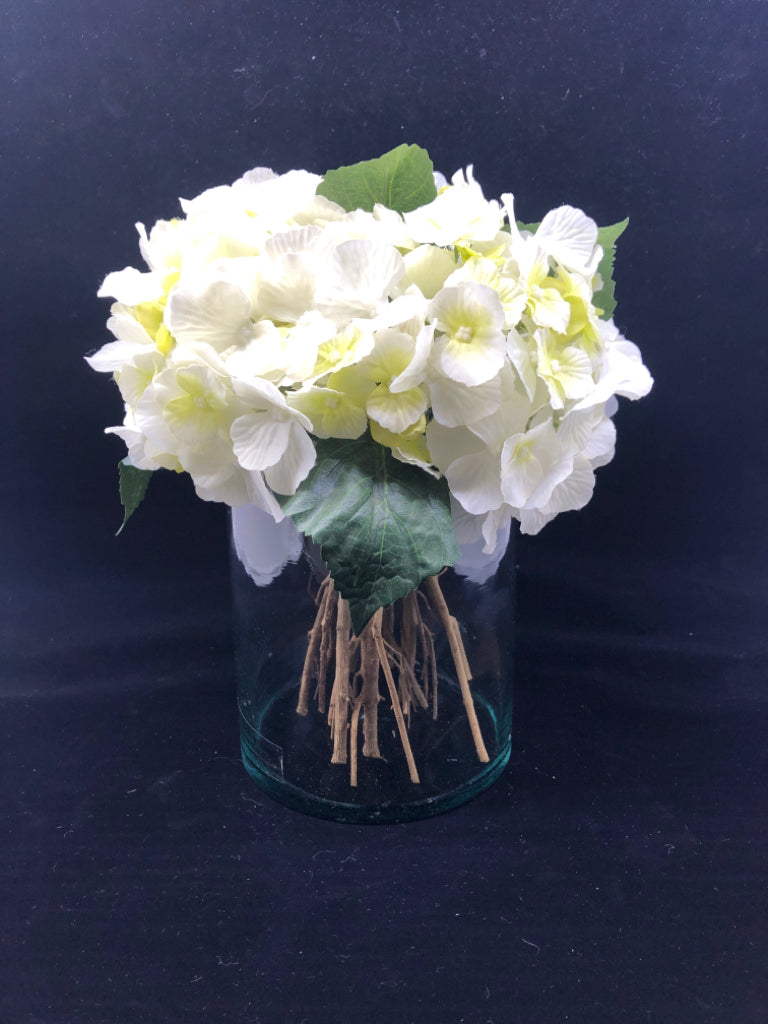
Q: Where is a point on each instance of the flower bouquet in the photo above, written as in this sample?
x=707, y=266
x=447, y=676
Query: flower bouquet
x=383, y=369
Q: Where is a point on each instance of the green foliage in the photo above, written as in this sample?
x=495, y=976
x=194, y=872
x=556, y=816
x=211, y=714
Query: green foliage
x=383, y=526
x=401, y=179
x=133, y=486
x=604, y=299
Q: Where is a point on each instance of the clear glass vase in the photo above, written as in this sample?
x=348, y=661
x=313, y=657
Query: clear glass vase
x=408, y=720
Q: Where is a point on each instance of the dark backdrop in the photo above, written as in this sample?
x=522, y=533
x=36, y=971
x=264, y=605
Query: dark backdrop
x=617, y=871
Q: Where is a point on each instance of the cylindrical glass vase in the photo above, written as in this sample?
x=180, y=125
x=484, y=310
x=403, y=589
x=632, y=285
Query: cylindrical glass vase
x=405, y=721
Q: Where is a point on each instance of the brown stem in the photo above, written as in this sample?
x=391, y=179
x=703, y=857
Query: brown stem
x=451, y=627
x=326, y=644
x=411, y=632
x=339, y=710
x=369, y=692
x=430, y=667
x=383, y=658
x=429, y=675
x=353, y=740
x=315, y=639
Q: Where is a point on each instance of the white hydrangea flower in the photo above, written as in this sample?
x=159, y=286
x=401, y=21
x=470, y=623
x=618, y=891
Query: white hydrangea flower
x=396, y=368
x=269, y=315
x=357, y=279
x=544, y=303
x=471, y=457
x=566, y=234
x=471, y=317
x=459, y=212
x=533, y=463
x=131, y=286
x=333, y=411
x=141, y=452
x=164, y=247
x=488, y=272
x=621, y=371
x=131, y=340
x=568, y=495
x=211, y=310
x=428, y=267
x=272, y=437
x=565, y=369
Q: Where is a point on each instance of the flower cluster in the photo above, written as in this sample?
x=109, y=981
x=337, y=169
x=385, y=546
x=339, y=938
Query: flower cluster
x=270, y=316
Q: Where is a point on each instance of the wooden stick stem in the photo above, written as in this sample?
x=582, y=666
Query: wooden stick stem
x=339, y=710
x=451, y=627
x=397, y=710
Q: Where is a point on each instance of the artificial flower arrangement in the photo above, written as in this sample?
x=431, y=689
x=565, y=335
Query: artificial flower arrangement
x=390, y=360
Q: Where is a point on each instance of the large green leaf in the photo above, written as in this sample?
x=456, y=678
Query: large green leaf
x=133, y=486
x=383, y=526
x=604, y=299
x=401, y=179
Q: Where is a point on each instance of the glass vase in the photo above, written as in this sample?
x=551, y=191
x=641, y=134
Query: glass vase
x=405, y=721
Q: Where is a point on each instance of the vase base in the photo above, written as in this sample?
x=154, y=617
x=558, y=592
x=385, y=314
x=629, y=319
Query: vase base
x=382, y=813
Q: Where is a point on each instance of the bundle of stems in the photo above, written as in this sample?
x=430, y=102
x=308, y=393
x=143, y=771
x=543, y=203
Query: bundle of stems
x=392, y=645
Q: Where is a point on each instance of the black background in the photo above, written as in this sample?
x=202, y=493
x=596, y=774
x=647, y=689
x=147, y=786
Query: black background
x=617, y=871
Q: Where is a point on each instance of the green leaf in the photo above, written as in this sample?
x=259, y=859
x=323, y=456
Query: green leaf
x=133, y=485
x=401, y=179
x=528, y=227
x=604, y=299
x=383, y=526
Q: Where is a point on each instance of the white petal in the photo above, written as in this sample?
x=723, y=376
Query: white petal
x=296, y=240
x=414, y=373
x=264, y=396
x=357, y=279
x=532, y=465
x=475, y=480
x=508, y=203
x=448, y=443
x=427, y=267
x=126, y=327
x=461, y=211
x=510, y=418
x=131, y=286
x=277, y=199
x=263, y=356
x=569, y=235
x=575, y=491
x=260, y=439
x=218, y=315
x=455, y=404
x=135, y=376
x=520, y=476
x=397, y=313
x=114, y=355
x=520, y=354
x=294, y=466
x=473, y=363
x=622, y=373
x=162, y=249
x=576, y=428
x=602, y=445
x=287, y=289
x=532, y=521
x=396, y=412
x=549, y=308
